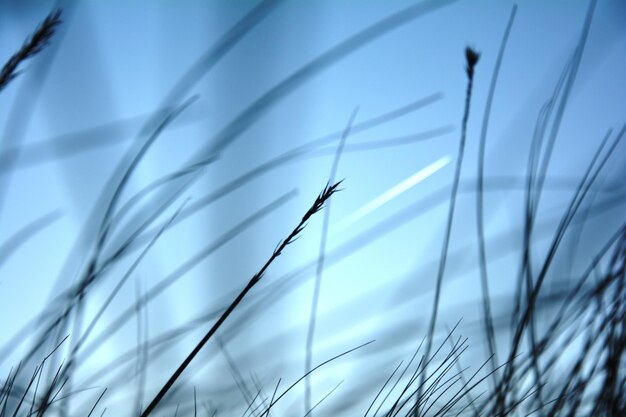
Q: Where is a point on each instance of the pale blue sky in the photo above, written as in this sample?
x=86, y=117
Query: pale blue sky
x=113, y=64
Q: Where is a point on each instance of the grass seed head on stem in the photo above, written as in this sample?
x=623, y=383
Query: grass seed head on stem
x=32, y=46
x=471, y=57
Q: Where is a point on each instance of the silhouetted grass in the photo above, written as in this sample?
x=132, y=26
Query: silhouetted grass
x=31, y=47
x=553, y=347
x=471, y=59
x=315, y=207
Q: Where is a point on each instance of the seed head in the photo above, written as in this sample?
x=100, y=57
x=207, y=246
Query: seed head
x=471, y=57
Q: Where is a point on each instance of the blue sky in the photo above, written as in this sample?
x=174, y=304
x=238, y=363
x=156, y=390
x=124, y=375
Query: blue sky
x=78, y=108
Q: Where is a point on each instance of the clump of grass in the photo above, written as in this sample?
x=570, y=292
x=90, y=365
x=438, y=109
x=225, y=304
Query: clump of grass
x=537, y=376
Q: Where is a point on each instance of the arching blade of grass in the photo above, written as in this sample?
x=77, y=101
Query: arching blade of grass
x=73, y=143
x=169, y=280
x=271, y=97
x=274, y=401
x=205, y=63
x=320, y=269
x=482, y=250
x=140, y=237
x=23, y=235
